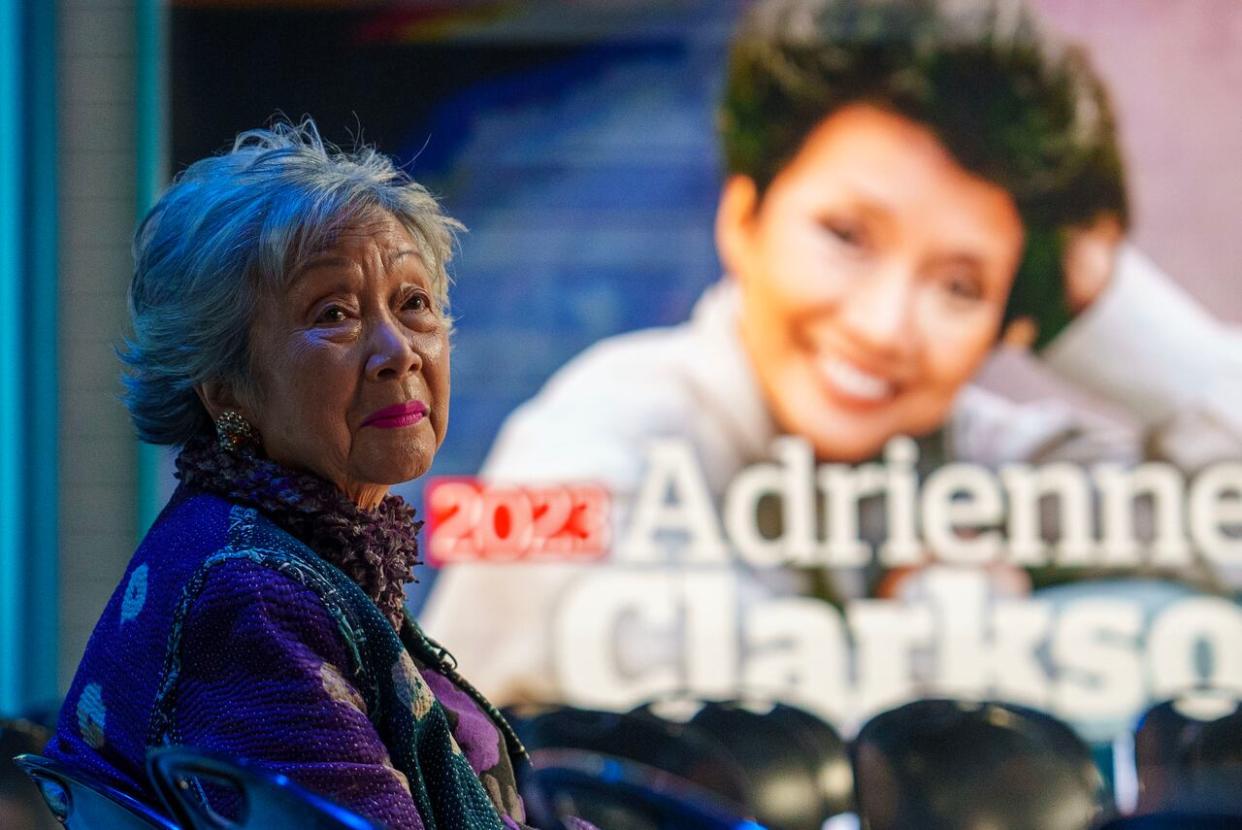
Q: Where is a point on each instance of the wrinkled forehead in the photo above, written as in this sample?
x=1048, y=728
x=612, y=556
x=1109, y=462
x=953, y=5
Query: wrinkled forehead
x=320, y=242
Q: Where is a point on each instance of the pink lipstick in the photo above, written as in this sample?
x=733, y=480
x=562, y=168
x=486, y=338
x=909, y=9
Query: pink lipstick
x=398, y=415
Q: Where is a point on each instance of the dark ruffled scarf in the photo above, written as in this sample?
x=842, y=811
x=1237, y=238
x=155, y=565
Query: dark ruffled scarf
x=377, y=548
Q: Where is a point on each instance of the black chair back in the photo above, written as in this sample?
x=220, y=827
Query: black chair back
x=80, y=802
x=619, y=794
x=626, y=771
x=797, y=767
x=21, y=803
x=262, y=799
x=952, y=765
x=1174, y=821
x=1188, y=751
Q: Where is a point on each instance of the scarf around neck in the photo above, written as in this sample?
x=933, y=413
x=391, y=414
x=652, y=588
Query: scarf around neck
x=377, y=548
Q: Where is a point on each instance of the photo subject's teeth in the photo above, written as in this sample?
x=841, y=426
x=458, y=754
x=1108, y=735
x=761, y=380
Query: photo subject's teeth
x=854, y=382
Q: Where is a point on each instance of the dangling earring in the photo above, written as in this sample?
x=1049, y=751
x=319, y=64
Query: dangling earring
x=233, y=431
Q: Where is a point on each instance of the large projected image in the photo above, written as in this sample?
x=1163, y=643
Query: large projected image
x=842, y=353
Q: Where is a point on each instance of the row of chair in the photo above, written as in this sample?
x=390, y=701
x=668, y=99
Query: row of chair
x=737, y=765
x=265, y=800
x=926, y=765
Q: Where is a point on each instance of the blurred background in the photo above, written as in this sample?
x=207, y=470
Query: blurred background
x=574, y=139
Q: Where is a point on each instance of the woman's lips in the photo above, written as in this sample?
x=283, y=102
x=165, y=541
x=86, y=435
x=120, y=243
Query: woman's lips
x=398, y=415
x=854, y=385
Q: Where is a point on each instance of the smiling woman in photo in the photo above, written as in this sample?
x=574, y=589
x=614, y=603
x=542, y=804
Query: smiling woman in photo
x=909, y=185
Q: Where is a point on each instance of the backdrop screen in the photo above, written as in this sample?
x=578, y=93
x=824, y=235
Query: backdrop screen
x=873, y=429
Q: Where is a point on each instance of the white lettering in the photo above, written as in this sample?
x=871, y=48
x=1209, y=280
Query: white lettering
x=1119, y=488
x=796, y=650
x=962, y=496
x=1027, y=486
x=793, y=480
x=601, y=615
x=844, y=487
x=1174, y=646
x=1095, y=650
x=689, y=518
x=977, y=653
x=711, y=651
x=902, y=547
x=884, y=634
x=1215, y=507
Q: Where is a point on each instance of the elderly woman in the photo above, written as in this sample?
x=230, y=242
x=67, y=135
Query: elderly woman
x=291, y=336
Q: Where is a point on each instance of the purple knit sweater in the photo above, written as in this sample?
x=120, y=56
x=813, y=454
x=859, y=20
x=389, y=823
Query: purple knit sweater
x=262, y=672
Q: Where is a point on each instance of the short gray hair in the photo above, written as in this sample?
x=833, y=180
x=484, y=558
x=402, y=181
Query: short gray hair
x=233, y=226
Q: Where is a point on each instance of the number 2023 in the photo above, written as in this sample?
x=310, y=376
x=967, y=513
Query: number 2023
x=469, y=521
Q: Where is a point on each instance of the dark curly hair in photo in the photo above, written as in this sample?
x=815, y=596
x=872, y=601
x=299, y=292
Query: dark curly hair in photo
x=1010, y=102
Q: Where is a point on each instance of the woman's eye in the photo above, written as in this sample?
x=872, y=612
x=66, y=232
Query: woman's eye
x=418, y=302
x=963, y=287
x=332, y=314
x=845, y=231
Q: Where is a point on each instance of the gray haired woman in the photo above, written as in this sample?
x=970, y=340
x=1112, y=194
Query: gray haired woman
x=291, y=336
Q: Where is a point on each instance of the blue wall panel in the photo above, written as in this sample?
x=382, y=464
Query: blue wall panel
x=28, y=354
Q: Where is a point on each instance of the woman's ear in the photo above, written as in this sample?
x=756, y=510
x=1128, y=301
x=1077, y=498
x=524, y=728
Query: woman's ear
x=218, y=396
x=735, y=219
x=1090, y=259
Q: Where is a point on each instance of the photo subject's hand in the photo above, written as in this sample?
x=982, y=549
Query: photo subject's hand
x=1090, y=257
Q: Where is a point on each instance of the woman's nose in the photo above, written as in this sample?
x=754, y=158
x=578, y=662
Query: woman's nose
x=878, y=311
x=392, y=353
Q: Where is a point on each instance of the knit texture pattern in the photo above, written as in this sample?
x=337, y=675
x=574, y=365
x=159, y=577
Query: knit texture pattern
x=229, y=635
x=377, y=548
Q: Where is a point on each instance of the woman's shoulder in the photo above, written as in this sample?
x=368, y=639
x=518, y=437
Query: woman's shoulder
x=251, y=596
x=196, y=537
x=240, y=560
x=206, y=557
x=198, y=531
x=199, y=543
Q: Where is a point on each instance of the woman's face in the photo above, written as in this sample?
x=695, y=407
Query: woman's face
x=873, y=276
x=351, y=363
